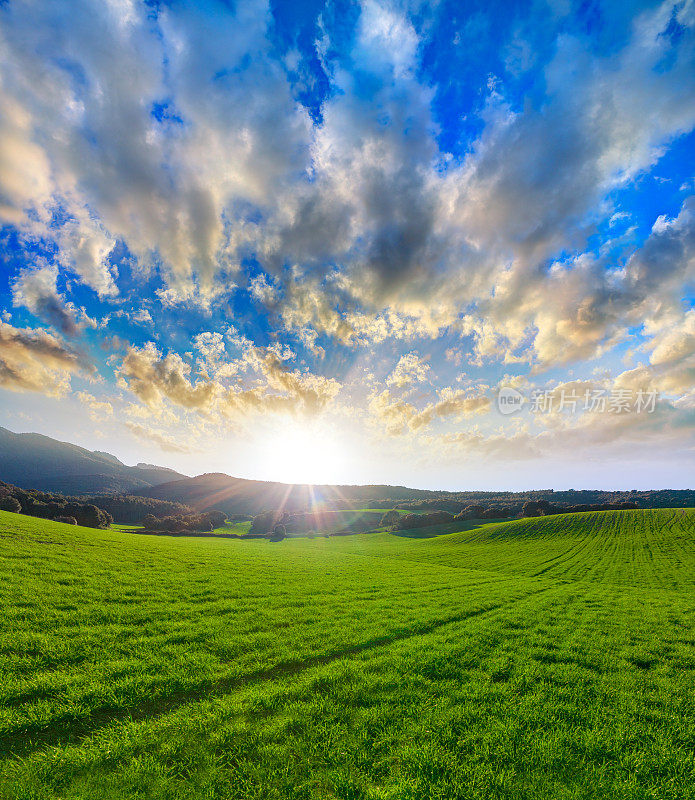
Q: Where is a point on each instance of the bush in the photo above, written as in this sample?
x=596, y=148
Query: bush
x=87, y=515
x=535, y=508
x=66, y=520
x=204, y=522
x=390, y=518
x=216, y=518
x=130, y=510
x=473, y=511
x=409, y=521
x=266, y=521
x=278, y=533
x=10, y=504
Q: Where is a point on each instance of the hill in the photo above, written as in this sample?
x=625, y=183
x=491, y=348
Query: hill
x=242, y=496
x=34, y=461
x=249, y=497
x=535, y=659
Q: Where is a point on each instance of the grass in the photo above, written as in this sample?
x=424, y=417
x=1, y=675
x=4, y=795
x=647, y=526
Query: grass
x=229, y=528
x=547, y=658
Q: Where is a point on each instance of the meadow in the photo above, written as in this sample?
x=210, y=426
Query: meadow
x=540, y=658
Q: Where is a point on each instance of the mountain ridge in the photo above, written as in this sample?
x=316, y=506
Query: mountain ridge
x=217, y=490
x=37, y=461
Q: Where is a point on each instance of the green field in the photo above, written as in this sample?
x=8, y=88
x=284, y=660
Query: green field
x=543, y=658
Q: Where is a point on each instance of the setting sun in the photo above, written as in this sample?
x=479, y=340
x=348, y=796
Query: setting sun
x=297, y=453
x=347, y=391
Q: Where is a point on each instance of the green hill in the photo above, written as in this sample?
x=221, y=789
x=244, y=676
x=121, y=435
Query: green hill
x=242, y=496
x=542, y=658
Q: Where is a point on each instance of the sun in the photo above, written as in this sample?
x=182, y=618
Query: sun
x=296, y=453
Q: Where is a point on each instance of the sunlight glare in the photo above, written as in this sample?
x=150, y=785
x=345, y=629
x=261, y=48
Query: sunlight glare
x=303, y=454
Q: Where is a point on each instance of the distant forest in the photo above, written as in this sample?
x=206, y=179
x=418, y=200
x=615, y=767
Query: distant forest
x=91, y=512
x=99, y=511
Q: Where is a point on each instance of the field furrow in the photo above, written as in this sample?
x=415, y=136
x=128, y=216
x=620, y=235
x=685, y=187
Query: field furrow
x=538, y=658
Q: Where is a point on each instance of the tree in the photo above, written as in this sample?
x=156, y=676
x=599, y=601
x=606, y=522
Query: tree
x=278, y=533
x=10, y=504
x=390, y=518
x=216, y=518
x=530, y=509
x=266, y=521
x=87, y=515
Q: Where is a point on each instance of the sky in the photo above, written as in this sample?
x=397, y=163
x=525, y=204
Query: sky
x=446, y=245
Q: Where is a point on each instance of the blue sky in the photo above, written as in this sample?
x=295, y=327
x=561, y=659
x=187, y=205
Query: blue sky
x=312, y=241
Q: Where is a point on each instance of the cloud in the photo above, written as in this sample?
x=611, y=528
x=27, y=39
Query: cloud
x=409, y=369
x=155, y=378
x=285, y=388
x=165, y=442
x=451, y=403
x=35, y=360
x=98, y=409
x=581, y=309
x=24, y=166
x=160, y=182
x=170, y=152
x=192, y=181
x=675, y=343
x=263, y=290
x=617, y=437
x=399, y=416
x=36, y=290
x=391, y=412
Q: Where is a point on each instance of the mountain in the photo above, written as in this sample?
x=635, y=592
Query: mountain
x=33, y=461
x=241, y=496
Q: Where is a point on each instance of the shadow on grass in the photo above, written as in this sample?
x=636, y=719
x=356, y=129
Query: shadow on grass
x=431, y=531
x=72, y=729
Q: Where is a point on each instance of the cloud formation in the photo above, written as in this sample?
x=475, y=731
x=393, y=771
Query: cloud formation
x=409, y=369
x=254, y=213
x=155, y=378
x=37, y=361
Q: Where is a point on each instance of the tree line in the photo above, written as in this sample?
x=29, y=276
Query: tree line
x=101, y=511
x=52, y=506
x=181, y=523
x=531, y=508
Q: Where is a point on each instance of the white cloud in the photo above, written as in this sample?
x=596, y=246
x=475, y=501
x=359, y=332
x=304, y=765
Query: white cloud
x=410, y=369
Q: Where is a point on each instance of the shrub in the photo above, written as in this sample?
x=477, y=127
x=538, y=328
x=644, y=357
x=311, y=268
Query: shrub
x=535, y=508
x=216, y=518
x=10, y=504
x=409, y=521
x=131, y=510
x=66, y=520
x=205, y=522
x=266, y=521
x=390, y=518
x=87, y=515
x=278, y=533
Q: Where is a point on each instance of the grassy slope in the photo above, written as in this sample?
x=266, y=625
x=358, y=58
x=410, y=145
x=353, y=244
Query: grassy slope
x=536, y=658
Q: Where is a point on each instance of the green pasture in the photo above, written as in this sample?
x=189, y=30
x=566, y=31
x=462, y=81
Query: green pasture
x=541, y=658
